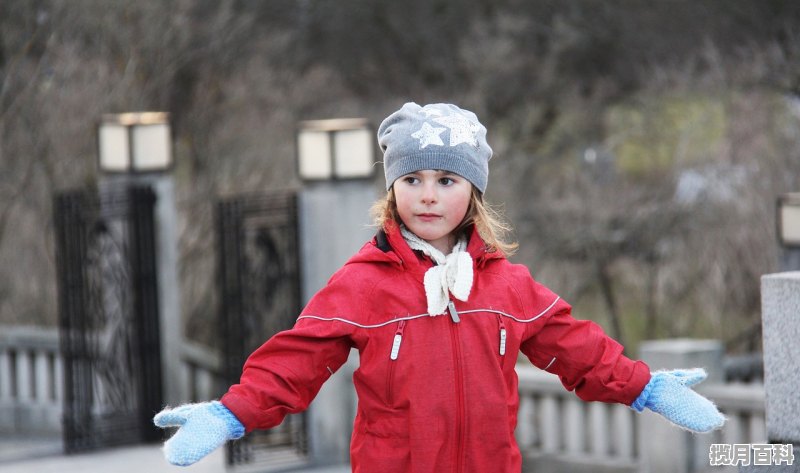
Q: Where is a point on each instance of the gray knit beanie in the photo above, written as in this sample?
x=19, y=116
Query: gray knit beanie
x=437, y=136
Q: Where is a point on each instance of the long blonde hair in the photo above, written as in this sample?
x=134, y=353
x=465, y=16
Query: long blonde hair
x=490, y=224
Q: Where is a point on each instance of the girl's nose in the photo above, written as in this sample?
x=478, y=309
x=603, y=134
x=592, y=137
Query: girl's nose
x=429, y=195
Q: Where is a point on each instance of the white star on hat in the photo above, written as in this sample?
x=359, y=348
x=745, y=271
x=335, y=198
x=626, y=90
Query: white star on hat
x=462, y=129
x=428, y=135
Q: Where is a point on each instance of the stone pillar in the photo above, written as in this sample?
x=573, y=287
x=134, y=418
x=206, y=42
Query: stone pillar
x=780, y=307
x=663, y=447
x=173, y=374
x=780, y=321
x=334, y=225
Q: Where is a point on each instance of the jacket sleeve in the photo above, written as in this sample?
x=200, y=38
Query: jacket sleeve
x=586, y=360
x=285, y=374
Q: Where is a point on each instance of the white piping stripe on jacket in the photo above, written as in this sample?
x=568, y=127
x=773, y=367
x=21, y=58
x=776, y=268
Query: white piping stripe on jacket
x=524, y=321
x=331, y=319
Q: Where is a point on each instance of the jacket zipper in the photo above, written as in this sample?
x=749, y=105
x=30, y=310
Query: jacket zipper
x=453, y=312
x=398, y=339
x=459, y=386
x=503, y=335
x=393, y=355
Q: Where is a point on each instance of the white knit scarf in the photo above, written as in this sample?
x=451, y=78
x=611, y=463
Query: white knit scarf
x=452, y=274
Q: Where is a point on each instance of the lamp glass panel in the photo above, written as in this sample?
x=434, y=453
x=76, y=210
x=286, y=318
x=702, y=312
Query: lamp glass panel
x=354, y=153
x=790, y=224
x=314, y=153
x=152, y=148
x=113, y=148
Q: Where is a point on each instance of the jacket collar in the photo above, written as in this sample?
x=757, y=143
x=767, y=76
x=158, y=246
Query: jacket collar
x=390, y=241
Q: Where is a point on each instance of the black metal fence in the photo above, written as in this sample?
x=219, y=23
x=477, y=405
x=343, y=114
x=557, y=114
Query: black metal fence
x=108, y=317
x=259, y=280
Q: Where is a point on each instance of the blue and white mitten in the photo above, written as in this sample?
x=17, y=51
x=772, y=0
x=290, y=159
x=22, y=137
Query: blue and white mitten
x=204, y=427
x=668, y=393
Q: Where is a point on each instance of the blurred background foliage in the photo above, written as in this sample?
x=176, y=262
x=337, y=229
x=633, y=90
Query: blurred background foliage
x=639, y=145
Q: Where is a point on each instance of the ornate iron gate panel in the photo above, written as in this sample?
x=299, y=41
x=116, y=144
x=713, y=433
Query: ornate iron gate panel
x=108, y=317
x=259, y=280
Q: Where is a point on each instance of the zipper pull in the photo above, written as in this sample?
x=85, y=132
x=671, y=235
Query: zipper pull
x=502, y=336
x=398, y=339
x=453, y=312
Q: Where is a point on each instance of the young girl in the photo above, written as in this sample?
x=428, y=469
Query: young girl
x=438, y=315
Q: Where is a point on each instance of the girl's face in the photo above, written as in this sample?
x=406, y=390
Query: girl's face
x=432, y=204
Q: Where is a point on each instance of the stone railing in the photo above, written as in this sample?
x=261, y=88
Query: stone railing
x=559, y=432
x=203, y=373
x=31, y=380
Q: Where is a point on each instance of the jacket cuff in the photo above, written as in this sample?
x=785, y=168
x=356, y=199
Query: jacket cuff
x=241, y=410
x=641, y=401
x=235, y=427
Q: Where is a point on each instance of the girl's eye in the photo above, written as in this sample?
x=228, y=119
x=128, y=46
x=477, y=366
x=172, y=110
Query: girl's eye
x=410, y=179
x=446, y=181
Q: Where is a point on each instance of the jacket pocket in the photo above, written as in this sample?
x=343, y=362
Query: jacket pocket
x=394, y=354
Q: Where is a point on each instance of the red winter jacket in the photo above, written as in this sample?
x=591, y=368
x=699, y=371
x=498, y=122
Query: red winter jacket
x=433, y=395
